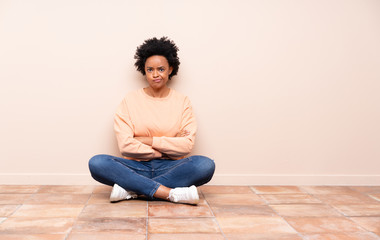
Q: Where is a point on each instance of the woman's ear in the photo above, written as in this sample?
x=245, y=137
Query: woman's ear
x=170, y=70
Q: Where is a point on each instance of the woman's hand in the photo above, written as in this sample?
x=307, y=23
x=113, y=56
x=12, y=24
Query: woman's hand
x=183, y=133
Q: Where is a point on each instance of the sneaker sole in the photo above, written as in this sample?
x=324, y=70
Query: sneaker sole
x=114, y=199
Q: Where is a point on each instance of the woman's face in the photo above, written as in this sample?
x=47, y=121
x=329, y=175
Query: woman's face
x=157, y=71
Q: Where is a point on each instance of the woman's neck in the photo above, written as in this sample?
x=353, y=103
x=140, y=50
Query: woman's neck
x=157, y=93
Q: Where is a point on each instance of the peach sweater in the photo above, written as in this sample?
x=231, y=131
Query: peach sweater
x=140, y=115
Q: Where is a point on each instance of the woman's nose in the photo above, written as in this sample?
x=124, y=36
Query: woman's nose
x=155, y=73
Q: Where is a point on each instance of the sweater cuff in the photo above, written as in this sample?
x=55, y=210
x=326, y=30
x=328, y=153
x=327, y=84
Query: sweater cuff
x=156, y=143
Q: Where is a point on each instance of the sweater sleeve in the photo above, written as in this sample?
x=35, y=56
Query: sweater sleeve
x=128, y=145
x=177, y=147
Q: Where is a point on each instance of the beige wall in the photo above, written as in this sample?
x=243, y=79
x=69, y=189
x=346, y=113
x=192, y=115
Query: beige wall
x=285, y=92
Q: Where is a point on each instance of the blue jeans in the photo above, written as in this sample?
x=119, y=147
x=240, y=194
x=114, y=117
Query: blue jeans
x=146, y=177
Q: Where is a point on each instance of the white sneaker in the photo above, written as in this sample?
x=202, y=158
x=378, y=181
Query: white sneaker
x=118, y=194
x=184, y=195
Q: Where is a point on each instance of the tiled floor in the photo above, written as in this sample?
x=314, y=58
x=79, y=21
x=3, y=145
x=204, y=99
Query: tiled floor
x=224, y=212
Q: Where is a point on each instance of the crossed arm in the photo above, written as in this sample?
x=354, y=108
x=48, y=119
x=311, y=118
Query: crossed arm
x=149, y=140
x=147, y=148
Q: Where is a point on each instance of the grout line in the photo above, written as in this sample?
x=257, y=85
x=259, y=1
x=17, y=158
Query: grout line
x=33, y=194
x=213, y=216
x=147, y=221
x=341, y=213
x=253, y=190
x=268, y=204
x=282, y=217
x=324, y=203
x=19, y=205
x=39, y=188
x=374, y=234
x=374, y=198
x=77, y=218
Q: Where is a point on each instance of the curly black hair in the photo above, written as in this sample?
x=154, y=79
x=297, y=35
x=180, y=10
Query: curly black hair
x=161, y=47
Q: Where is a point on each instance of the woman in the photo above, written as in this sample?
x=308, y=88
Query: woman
x=155, y=129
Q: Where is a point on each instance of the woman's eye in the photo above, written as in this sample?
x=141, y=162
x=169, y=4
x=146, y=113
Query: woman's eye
x=161, y=69
x=149, y=70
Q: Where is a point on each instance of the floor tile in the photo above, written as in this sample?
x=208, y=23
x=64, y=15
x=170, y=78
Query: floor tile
x=106, y=236
x=323, y=225
x=276, y=189
x=7, y=210
x=242, y=210
x=328, y=189
x=183, y=225
x=179, y=210
x=102, y=189
x=19, y=189
x=263, y=236
x=306, y=210
x=375, y=196
x=346, y=199
x=136, y=210
x=13, y=198
x=341, y=236
x=62, y=211
x=371, y=224
x=366, y=189
x=186, y=236
x=32, y=236
x=359, y=210
x=226, y=189
x=289, y=199
x=233, y=199
x=97, y=198
x=57, y=198
x=118, y=225
x=262, y=224
x=79, y=189
x=36, y=225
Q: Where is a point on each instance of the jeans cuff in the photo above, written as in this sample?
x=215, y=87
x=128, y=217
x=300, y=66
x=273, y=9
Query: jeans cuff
x=154, y=190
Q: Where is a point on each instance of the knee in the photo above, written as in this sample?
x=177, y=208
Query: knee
x=204, y=165
x=97, y=162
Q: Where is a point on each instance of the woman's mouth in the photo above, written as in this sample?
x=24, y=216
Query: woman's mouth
x=157, y=80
